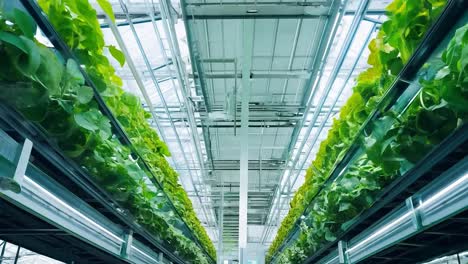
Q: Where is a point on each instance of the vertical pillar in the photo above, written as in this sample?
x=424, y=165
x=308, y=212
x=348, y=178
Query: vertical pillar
x=126, y=247
x=14, y=159
x=221, y=223
x=342, y=252
x=248, y=32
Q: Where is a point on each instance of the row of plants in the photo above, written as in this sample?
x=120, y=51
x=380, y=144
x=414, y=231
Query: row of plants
x=52, y=93
x=439, y=109
x=77, y=24
x=399, y=36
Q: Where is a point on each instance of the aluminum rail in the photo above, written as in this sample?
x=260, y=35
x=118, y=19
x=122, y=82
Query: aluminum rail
x=140, y=83
x=291, y=58
x=337, y=68
x=194, y=54
x=136, y=75
x=184, y=82
x=161, y=45
x=45, y=198
x=324, y=48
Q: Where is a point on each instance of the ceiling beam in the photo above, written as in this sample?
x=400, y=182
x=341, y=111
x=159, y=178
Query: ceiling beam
x=255, y=10
x=256, y=75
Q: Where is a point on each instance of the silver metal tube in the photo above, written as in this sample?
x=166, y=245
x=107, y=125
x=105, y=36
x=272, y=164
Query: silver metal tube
x=339, y=62
x=291, y=58
x=136, y=75
x=248, y=40
x=200, y=71
x=273, y=53
x=182, y=78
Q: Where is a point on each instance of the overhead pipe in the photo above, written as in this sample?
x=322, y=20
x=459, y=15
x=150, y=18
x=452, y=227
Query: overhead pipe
x=291, y=58
x=136, y=75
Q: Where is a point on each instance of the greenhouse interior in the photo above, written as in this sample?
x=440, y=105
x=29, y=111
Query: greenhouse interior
x=222, y=132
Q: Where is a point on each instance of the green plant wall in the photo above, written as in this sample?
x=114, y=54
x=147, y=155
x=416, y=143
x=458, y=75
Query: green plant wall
x=76, y=22
x=52, y=93
x=439, y=109
x=399, y=36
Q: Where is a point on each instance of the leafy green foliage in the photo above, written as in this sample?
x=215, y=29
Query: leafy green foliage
x=117, y=54
x=387, y=153
x=107, y=7
x=37, y=84
x=77, y=24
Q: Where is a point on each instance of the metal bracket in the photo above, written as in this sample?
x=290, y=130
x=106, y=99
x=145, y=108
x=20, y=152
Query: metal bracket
x=22, y=161
x=342, y=254
x=415, y=215
x=126, y=247
x=14, y=160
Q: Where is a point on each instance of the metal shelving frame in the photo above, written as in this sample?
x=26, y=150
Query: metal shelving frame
x=43, y=197
x=50, y=152
x=12, y=121
x=398, y=97
x=441, y=199
x=397, y=190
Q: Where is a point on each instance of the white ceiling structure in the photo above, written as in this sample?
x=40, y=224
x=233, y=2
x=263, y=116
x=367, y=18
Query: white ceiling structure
x=190, y=67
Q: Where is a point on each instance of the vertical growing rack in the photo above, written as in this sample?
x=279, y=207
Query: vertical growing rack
x=398, y=97
x=50, y=159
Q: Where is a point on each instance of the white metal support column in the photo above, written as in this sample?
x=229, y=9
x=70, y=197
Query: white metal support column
x=244, y=134
x=221, y=223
